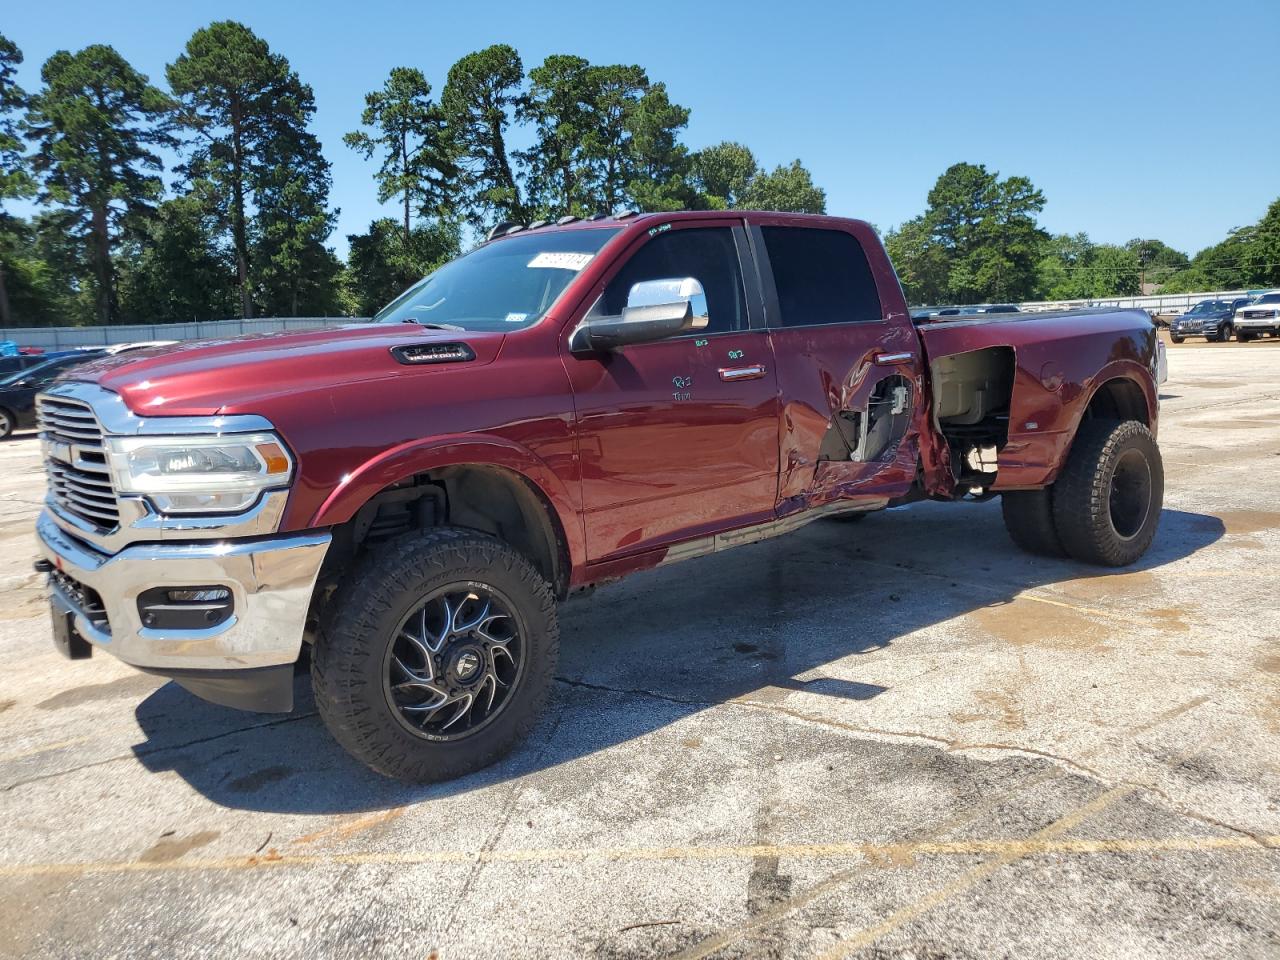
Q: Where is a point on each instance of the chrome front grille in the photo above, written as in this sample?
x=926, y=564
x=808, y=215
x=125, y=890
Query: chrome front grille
x=75, y=461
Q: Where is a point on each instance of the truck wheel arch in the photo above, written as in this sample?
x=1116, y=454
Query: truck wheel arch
x=487, y=484
x=1123, y=390
x=1121, y=393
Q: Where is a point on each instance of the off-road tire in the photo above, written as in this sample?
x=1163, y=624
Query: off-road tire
x=7, y=422
x=348, y=664
x=1028, y=516
x=1083, y=509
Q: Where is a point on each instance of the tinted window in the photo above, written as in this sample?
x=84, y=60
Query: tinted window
x=822, y=276
x=706, y=254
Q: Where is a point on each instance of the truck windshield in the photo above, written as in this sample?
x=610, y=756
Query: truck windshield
x=504, y=285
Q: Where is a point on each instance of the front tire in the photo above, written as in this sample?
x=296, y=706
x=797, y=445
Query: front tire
x=1242, y=337
x=1107, y=502
x=1176, y=339
x=439, y=657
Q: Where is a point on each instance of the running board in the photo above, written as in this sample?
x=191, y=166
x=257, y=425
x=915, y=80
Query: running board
x=719, y=542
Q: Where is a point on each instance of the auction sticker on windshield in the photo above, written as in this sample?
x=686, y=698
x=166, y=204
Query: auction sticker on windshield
x=562, y=261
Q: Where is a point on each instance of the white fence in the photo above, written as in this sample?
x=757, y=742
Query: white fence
x=65, y=338
x=1164, y=304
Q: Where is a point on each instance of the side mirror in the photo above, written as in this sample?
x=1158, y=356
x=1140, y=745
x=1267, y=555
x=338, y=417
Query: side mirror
x=655, y=310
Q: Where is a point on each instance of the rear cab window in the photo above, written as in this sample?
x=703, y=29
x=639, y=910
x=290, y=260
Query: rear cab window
x=821, y=277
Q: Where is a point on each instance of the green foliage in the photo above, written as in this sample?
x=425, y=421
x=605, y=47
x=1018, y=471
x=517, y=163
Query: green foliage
x=605, y=138
x=177, y=271
x=410, y=132
x=248, y=112
x=95, y=123
x=559, y=104
x=786, y=188
x=725, y=176
x=381, y=265
x=481, y=95
x=722, y=174
x=659, y=162
x=15, y=178
x=1158, y=258
x=978, y=241
x=293, y=272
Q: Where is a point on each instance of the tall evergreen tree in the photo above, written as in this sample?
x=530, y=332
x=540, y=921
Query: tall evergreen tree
x=294, y=272
x=95, y=123
x=615, y=93
x=410, y=133
x=481, y=100
x=241, y=101
x=722, y=174
x=559, y=104
x=660, y=162
x=15, y=179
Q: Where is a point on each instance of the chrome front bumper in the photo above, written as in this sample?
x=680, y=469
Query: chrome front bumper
x=271, y=581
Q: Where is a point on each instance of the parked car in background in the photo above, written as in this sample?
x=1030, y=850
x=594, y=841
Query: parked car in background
x=18, y=390
x=1211, y=319
x=12, y=364
x=1258, y=317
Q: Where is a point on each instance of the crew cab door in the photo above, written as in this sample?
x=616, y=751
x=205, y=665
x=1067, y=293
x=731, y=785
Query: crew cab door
x=849, y=363
x=678, y=437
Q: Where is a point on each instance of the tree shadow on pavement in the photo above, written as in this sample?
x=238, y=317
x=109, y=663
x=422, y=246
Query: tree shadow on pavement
x=663, y=645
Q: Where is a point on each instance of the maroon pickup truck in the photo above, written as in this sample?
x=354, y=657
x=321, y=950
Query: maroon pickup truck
x=563, y=406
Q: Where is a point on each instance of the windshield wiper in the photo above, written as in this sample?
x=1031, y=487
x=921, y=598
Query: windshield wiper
x=435, y=326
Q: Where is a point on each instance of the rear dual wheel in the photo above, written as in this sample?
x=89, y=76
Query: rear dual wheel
x=1104, y=507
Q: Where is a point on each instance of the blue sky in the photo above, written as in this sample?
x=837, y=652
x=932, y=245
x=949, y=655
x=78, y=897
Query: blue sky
x=1135, y=119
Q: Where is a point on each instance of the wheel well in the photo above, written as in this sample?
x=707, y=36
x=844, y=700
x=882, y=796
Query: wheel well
x=1119, y=399
x=490, y=499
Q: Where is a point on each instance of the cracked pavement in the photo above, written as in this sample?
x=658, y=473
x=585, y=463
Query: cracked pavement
x=900, y=738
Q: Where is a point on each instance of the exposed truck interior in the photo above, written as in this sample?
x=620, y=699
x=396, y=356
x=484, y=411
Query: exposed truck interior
x=972, y=392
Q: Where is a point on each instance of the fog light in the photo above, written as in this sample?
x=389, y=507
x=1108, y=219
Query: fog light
x=185, y=608
x=202, y=595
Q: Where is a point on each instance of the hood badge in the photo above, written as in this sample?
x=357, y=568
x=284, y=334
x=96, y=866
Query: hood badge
x=420, y=353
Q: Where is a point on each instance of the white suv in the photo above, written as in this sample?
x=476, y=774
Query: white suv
x=1258, y=316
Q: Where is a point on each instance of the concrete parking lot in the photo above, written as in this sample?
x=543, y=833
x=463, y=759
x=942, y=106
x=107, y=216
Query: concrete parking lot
x=900, y=738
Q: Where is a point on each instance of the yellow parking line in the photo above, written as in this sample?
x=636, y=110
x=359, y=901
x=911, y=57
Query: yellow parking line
x=1045, y=843
x=979, y=873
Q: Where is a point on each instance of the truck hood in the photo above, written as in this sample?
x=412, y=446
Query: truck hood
x=205, y=377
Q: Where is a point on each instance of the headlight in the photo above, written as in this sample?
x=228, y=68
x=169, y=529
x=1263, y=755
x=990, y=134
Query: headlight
x=199, y=474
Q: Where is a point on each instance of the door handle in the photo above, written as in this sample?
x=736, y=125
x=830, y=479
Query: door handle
x=752, y=372
x=893, y=359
